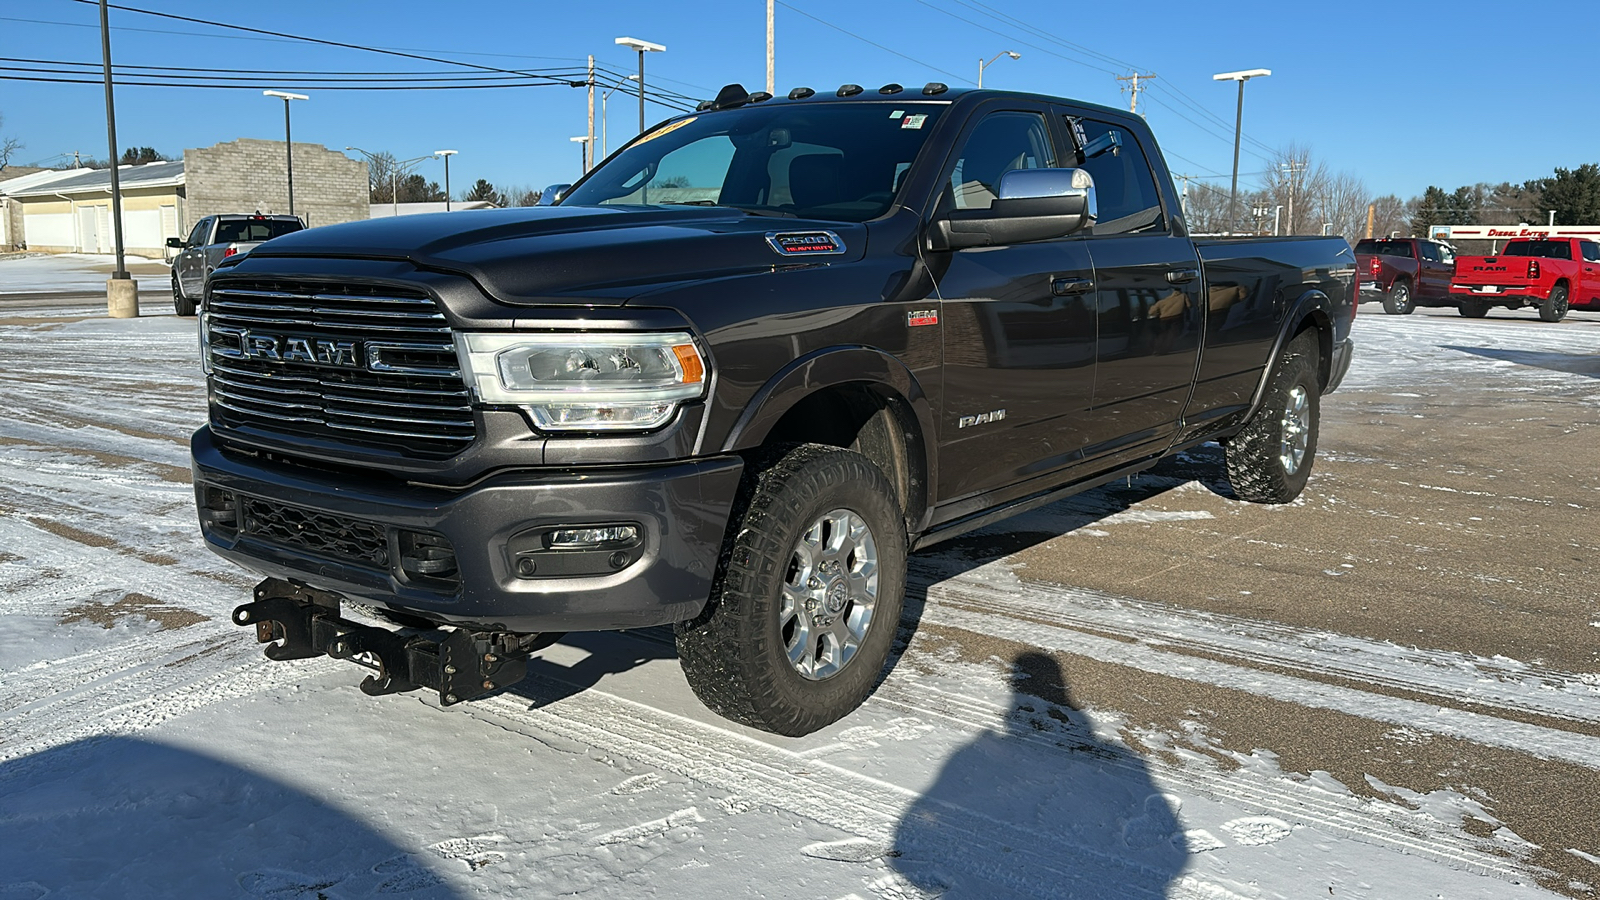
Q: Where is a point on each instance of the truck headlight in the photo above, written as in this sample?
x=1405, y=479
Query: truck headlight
x=587, y=382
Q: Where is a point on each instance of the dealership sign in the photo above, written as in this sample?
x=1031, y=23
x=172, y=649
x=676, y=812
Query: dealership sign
x=1510, y=232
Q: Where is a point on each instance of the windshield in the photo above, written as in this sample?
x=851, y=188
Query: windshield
x=833, y=161
x=245, y=230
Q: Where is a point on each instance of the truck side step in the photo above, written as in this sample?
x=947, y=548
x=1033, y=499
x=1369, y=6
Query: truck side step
x=298, y=622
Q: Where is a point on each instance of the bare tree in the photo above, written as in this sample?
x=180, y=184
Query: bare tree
x=1343, y=206
x=382, y=171
x=8, y=147
x=1390, y=216
x=521, y=195
x=1295, y=180
x=1206, y=208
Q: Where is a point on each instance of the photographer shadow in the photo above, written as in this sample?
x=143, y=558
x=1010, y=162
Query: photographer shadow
x=1044, y=808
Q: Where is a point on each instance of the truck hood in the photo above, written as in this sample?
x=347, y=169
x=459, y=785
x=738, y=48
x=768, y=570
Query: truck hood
x=591, y=256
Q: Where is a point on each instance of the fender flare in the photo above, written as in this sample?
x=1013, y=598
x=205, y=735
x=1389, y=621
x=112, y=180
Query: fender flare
x=1316, y=306
x=829, y=367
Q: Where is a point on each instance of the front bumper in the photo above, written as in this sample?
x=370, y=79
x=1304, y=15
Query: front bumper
x=353, y=534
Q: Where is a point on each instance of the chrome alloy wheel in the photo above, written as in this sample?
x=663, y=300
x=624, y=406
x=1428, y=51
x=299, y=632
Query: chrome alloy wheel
x=1296, y=430
x=829, y=592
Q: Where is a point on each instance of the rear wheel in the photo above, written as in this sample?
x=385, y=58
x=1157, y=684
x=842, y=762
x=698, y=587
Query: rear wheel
x=1399, y=302
x=1554, y=308
x=1270, y=460
x=810, y=599
x=1474, y=309
x=183, y=305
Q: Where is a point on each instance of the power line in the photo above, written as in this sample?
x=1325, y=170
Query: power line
x=1014, y=38
x=859, y=38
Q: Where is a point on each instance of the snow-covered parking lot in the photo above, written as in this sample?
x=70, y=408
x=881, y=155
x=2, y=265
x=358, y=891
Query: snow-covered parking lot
x=1388, y=689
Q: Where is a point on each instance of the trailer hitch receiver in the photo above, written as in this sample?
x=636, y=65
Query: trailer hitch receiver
x=299, y=622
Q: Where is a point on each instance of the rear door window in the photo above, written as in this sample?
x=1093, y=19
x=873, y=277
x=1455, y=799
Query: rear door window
x=1540, y=249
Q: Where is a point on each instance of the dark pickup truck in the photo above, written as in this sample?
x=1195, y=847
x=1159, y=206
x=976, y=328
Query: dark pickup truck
x=730, y=380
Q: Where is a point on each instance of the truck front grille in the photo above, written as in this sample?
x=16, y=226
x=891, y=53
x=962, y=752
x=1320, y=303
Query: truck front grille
x=362, y=365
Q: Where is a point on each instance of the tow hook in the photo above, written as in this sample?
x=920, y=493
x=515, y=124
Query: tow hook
x=299, y=622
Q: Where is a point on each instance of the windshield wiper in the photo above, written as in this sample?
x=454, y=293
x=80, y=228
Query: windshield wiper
x=752, y=210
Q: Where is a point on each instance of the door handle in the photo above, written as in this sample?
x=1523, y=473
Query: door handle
x=1182, y=276
x=1064, y=287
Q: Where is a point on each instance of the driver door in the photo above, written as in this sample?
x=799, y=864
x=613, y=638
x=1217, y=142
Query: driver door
x=1019, y=324
x=191, y=263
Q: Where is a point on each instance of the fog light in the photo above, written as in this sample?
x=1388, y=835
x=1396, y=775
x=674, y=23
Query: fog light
x=591, y=537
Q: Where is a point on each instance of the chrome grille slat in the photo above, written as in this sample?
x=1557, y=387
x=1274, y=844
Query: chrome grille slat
x=424, y=412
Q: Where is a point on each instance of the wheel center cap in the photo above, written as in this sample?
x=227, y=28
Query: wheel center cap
x=838, y=594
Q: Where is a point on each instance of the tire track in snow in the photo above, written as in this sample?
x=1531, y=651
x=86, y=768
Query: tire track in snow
x=1456, y=678
x=1036, y=630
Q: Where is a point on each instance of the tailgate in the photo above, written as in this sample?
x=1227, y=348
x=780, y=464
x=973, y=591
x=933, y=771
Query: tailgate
x=1484, y=271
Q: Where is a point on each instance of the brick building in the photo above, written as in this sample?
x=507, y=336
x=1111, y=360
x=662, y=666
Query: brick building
x=71, y=211
x=247, y=175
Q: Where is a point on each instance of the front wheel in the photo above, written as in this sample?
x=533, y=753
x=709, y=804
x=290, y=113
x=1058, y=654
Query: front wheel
x=1270, y=460
x=808, y=605
x=1555, y=307
x=1399, y=302
x=183, y=305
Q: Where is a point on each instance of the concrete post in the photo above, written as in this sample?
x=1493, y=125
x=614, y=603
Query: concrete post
x=122, y=298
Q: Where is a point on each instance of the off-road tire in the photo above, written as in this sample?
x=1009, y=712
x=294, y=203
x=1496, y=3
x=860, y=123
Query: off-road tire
x=1257, y=457
x=734, y=653
x=1474, y=309
x=1554, y=308
x=183, y=305
x=1399, y=302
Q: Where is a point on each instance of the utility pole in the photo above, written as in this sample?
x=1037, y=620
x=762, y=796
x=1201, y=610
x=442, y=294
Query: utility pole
x=771, y=72
x=1294, y=170
x=588, y=146
x=1372, y=212
x=122, y=295
x=1136, y=87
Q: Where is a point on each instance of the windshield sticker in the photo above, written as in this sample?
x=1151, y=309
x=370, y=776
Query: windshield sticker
x=914, y=121
x=668, y=128
x=897, y=114
x=805, y=243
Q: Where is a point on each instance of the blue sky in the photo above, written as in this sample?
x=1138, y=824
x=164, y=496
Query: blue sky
x=1400, y=94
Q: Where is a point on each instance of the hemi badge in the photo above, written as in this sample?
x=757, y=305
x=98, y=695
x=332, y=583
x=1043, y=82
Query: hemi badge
x=922, y=317
x=805, y=243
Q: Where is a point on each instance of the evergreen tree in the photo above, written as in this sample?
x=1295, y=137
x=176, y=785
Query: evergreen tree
x=1574, y=194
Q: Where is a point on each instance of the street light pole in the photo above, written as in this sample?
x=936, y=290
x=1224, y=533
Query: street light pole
x=122, y=295
x=446, y=154
x=394, y=174
x=1238, y=131
x=583, y=141
x=984, y=65
x=288, y=139
x=643, y=47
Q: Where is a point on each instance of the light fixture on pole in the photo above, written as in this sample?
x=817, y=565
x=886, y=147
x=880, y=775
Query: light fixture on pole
x=446, y=154
x=582, y=141
x=394, y=173
x=643, y=47
x=984, y=65
x=288, y=140
x=1238, y=130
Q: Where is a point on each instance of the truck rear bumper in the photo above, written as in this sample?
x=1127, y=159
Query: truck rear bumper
x=480, y=555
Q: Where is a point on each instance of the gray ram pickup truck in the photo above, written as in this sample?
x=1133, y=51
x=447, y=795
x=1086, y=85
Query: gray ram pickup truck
x=730, y=380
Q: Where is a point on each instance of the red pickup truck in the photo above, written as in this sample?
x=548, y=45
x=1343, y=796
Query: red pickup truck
x=1553, y=274
x=1405, y=273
